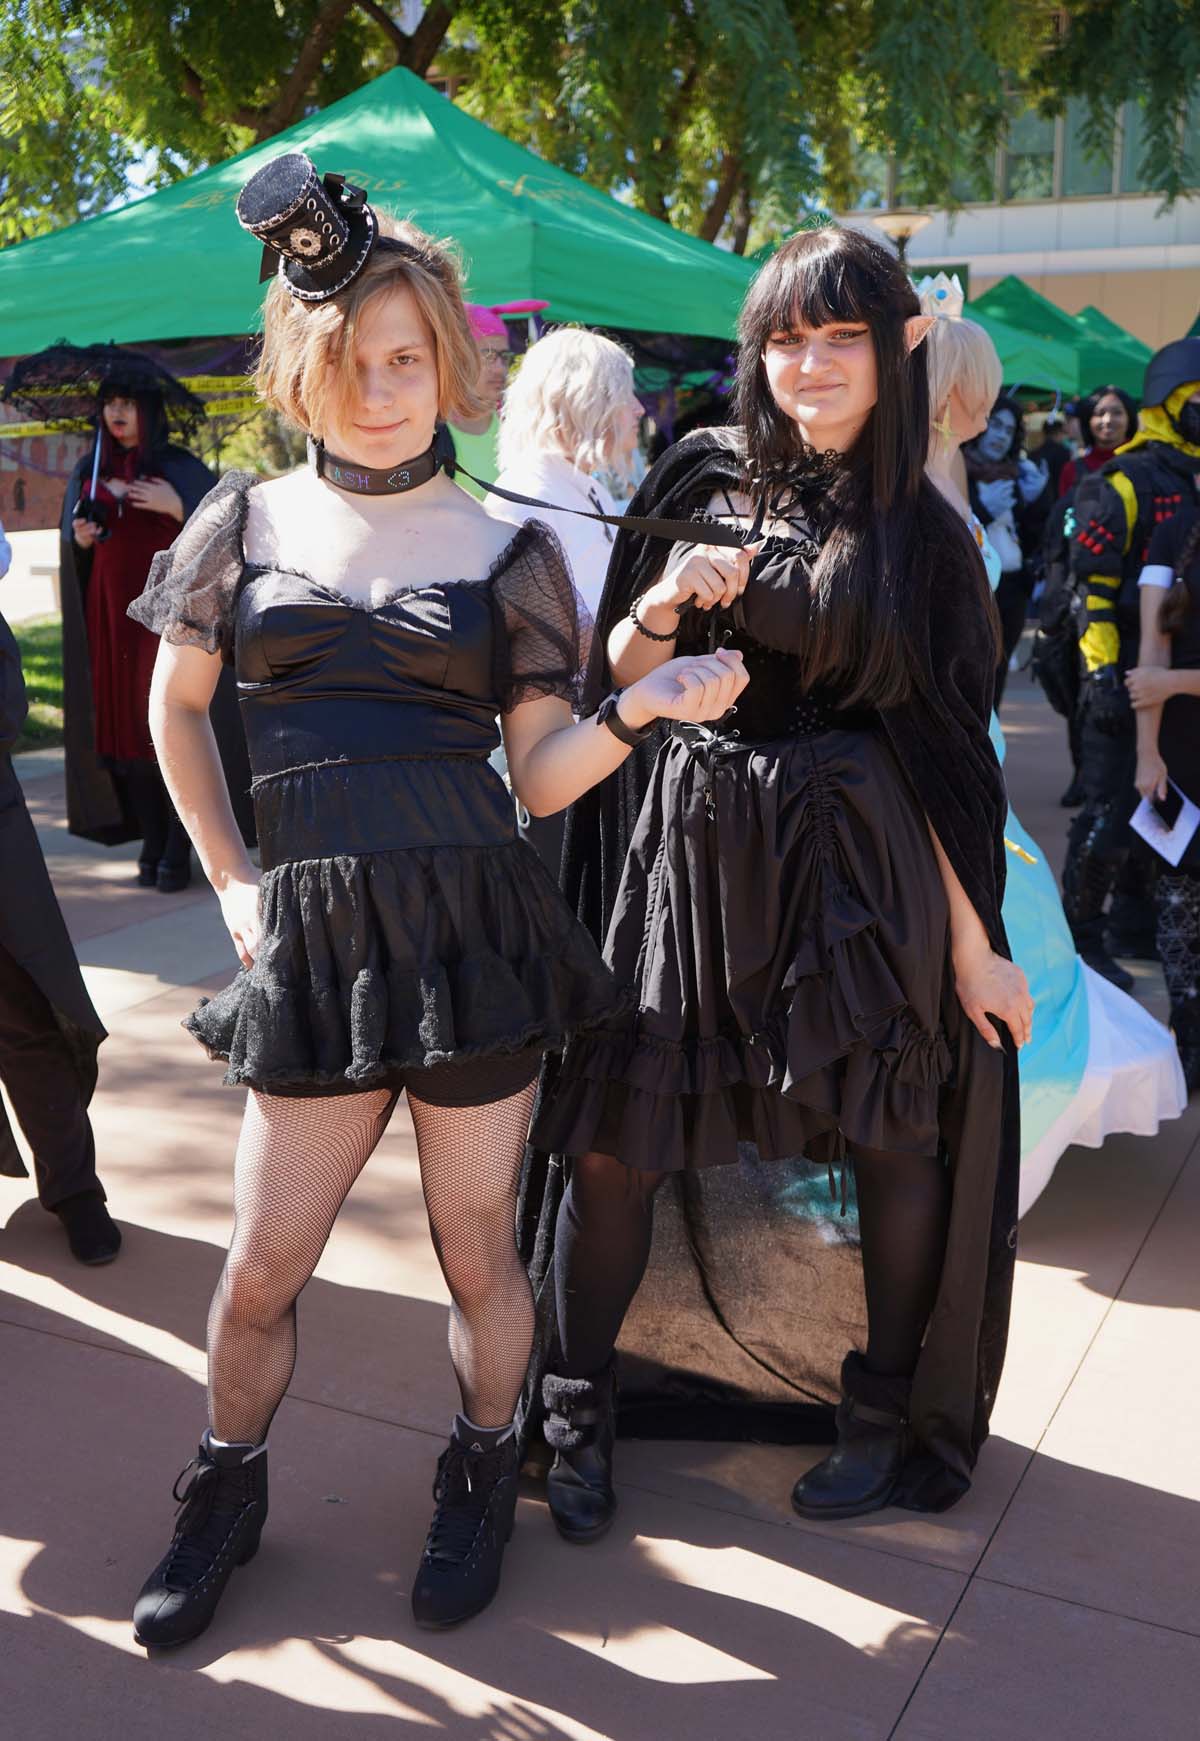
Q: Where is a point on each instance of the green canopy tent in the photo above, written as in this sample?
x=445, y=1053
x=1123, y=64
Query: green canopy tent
x=1103, y=351
x=177, y=264
x=1028, y=361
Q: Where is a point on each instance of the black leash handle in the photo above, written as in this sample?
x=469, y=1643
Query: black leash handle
x=674, y=531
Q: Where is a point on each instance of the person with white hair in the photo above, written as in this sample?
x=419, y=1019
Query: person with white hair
x=1097, y=1062
x=569, y=412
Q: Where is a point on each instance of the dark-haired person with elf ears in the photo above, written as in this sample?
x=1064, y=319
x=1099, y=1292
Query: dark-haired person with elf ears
x=401, y=937
x=809, y=904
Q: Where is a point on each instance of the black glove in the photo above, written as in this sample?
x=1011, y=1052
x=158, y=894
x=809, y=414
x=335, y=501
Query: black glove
x=1107, y=702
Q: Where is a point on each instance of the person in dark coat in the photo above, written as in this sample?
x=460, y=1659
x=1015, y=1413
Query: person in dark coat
x=807, y=904
x=49, y=1030
x=1117, y=511
x=145, y=489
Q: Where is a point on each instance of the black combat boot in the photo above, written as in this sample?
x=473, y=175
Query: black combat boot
x=221, y=1513
x=581, y=1428
x=92, y=1234
x=1088, y=876
x=476, y=1494
x=861, y=1472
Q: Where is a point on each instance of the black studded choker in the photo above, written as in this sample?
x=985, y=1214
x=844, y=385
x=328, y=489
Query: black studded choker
x=365, y=480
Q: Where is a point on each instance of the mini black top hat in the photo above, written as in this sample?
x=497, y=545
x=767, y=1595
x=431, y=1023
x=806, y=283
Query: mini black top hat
x=316, y=232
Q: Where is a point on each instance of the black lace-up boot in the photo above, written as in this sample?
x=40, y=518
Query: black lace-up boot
x=581, y=1428
x=861, y=1472
x=476, y=1500
x=222, y=1509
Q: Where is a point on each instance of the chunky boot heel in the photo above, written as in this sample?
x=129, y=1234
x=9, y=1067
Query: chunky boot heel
x=861, y=1473
x=222, y=1510
x=581, y=1428
x=476, y=1495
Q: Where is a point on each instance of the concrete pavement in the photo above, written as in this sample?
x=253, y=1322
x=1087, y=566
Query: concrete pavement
x=1058, y=1598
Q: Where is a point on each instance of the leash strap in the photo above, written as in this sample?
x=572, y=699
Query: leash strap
x=674, y=531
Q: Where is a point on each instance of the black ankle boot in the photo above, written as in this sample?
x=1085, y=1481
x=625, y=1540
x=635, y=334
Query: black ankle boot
x=92, y=1234
x=861, y=1473
x=476, y=1494
x=581, y=1427
x=221, y=1513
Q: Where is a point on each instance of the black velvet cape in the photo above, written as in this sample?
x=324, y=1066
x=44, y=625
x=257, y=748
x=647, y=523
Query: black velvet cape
x=754, y=1288
x=96, y=807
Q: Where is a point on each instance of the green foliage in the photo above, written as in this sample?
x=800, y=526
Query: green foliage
x=728, y=118
x=1114, y=51
x=40, y=642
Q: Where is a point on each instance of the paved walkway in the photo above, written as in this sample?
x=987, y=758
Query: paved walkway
x=1059, y=1598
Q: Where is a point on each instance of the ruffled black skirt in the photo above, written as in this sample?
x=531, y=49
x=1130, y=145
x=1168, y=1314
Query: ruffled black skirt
x=447, y=941
x=785, y=925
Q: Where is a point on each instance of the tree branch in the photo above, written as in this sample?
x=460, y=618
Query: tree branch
x=429, y=36
x=383, y=18
x=415, y=49
x=287, y=105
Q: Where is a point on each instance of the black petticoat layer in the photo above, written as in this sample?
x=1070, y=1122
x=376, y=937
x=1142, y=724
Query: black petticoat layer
x=844, y=1060
x=375, y=964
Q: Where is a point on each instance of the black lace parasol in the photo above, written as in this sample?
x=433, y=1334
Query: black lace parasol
x=67, y=382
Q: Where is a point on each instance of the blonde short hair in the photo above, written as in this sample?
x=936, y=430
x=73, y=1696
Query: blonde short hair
x=306, y=367
x=564, y=399
x=960, y=355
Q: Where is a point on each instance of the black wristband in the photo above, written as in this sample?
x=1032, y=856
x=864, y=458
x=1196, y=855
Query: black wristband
x=607, y=715
x=641, y=628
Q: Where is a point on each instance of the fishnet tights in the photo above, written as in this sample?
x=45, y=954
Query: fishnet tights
x=296, y=1161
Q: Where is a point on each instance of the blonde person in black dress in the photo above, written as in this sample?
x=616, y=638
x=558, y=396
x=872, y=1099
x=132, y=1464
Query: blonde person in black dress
x=400, y=938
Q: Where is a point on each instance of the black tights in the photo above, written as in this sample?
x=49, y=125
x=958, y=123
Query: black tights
x=164, y=838
x=602, y=1245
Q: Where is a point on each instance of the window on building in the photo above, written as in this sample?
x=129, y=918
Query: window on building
x=1082, y=172
x=1133, y=146
x=1029, y=158
x=1191, y=141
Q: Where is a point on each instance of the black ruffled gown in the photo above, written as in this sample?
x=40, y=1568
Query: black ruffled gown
x=783, y=919
x=403, y=922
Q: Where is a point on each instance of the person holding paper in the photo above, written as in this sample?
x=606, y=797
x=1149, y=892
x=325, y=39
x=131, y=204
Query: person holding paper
x=1165, y=691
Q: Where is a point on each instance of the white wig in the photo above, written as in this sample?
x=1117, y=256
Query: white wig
x=565, y=397
x=960, y=354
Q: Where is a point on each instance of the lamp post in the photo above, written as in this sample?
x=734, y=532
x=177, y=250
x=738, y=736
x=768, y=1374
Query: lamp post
x=901, y=226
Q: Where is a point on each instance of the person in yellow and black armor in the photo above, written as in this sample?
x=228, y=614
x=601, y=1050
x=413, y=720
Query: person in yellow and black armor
x=1116, y=512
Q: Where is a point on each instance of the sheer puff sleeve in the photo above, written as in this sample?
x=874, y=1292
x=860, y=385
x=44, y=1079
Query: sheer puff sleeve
x=191, y=590
x=544, y=632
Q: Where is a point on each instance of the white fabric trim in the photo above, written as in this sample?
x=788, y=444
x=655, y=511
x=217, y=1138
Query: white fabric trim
x=1157, y=574
x=1132, y=1082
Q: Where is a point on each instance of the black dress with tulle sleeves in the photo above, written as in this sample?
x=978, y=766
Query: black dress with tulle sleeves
x=403, y=923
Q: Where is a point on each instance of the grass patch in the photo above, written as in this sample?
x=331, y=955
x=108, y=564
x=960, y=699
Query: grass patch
x=40, y=642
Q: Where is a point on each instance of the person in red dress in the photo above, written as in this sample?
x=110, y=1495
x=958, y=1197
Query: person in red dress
x=144, y=491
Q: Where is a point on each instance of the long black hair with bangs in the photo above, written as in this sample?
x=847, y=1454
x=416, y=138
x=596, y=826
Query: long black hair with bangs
x=877, y=505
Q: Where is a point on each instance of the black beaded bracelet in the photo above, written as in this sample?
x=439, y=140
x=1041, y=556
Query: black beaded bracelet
x=641, y=628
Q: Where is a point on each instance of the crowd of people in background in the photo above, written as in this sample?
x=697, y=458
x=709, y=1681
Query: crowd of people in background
x=851, y=796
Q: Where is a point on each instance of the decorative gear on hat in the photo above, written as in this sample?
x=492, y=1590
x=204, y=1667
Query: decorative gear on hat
x=317, y=231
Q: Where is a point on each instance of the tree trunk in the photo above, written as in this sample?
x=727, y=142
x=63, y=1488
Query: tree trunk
x=287, y=105
x=727, y=186
x=743, y=212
